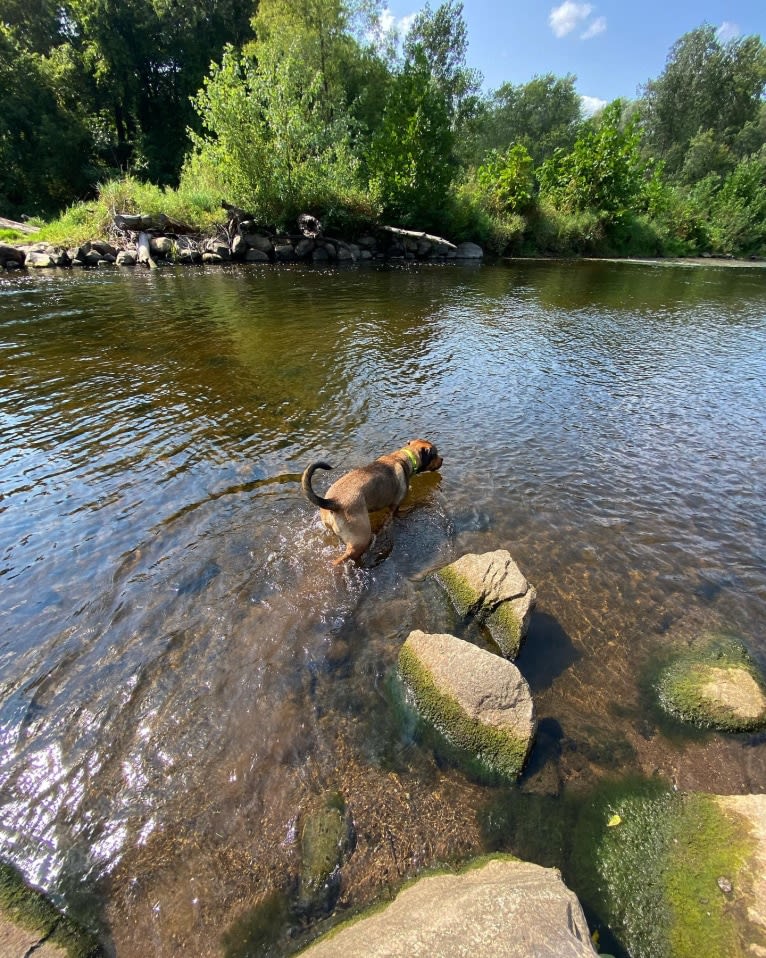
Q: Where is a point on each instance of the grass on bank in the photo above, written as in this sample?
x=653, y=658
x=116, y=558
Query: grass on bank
x=93, y=219
x=540, y=230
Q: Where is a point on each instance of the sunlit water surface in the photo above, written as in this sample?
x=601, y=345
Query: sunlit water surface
x=181, y=671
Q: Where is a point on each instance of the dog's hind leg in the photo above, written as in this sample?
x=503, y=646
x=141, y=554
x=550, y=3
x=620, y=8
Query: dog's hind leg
x=353, y=552
x=356, y=532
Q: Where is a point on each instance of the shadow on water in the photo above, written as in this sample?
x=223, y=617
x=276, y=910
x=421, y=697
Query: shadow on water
x=547, y=651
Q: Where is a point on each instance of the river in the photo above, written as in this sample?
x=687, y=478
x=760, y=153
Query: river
x=182, y=671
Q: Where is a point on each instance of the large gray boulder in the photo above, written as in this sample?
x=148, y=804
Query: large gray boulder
x=491, y=587
x=478, y=701
x=39, y=259
x=502, y=909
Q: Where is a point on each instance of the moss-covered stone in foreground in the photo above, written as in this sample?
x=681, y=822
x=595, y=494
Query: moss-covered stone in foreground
x=715, y=684
x=477, y=701
x=663, y=862
x=30, y=909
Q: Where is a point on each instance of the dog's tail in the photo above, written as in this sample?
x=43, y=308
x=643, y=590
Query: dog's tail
x=330, y=504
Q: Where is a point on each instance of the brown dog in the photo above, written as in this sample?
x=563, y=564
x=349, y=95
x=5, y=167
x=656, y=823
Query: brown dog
x=380, y=485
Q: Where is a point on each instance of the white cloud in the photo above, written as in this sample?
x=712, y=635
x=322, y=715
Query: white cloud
x=728, y=31
x=388, y=31
x=405, y=23
x=386, y=20
x=591, y=105
x=564, y=18
x=594, y=28
x=387, y=23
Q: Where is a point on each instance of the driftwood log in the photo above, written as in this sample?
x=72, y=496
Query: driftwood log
x=19, y=227
x=414, y=234
x=144, y=253
x=141, y=222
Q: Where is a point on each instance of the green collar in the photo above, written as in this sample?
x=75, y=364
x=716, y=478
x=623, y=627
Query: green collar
x=412, y=457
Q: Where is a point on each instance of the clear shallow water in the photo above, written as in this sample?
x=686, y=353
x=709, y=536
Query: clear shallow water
x=182, y=674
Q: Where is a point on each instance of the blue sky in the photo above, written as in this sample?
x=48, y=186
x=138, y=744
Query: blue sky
x=612, y=46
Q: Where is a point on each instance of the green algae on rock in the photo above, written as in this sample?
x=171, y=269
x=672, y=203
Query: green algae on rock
x=479, y=702
x=327, y=837
x=714, y=684
x=673, y=874
x=30, y=922
x=492, y=588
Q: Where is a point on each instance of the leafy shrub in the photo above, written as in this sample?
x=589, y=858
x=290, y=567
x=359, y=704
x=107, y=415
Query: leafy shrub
x=560, y=233
x=739, y=212
x=507, y=180
x=473, y=214
x=272, y=144
x=603, y=172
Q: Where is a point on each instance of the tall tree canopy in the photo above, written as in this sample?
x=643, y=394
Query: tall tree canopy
x=277, y=130
x=542, y=116
x=707, y=85
x=412, y=157
x=121, y=73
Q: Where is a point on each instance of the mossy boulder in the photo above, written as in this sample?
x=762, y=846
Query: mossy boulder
x=714, y=684
x=326, y=839
x=479, y=702
x=501, y=907
x=31, y=924
x=679, y=875
x=492, y=588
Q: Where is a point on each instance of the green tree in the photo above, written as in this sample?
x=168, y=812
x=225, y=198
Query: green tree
x=734, y=207
x=410, y=160
x=604, y=171
x=507, y=179
x=542, y=115
x=412, y=157
x=38, y=25
x=276, y=129
x=115, y=79
x=441, y=36
x=143, y=60
x=709, y=87
x=706, y=154
x=43, y=140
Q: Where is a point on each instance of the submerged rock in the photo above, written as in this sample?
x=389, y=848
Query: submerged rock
x=503, y=908
x=479, y=702
x=326, y=839
x=714, y=684
x=492, y=588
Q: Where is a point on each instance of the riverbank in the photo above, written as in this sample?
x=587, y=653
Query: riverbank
x=146, y=240
x=137, y=240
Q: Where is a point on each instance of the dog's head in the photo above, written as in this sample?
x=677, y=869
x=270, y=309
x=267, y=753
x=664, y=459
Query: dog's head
x=427, y=455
